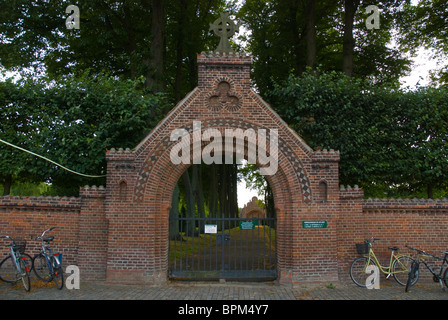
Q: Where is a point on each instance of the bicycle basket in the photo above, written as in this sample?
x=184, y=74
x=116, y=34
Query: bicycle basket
x=362, y=248
x=20, y=246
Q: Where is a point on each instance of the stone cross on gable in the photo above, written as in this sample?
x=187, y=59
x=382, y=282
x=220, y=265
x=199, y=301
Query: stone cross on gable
x=225, y=28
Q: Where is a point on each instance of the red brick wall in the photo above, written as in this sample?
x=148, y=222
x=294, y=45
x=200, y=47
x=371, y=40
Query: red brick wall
x=22, y=217
x=81, y=228
x=417, y=222
x=420, y=223
x=314, y=255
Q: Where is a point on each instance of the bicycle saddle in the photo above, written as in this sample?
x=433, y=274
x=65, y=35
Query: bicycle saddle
x=48, y=239
x=393, y=248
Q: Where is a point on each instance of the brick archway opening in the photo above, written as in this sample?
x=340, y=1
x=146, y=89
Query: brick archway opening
x=222, y=243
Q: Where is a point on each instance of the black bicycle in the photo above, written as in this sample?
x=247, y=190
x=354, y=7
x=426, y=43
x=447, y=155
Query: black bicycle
x=421, y=256
x=17, y=265
x=46, y=265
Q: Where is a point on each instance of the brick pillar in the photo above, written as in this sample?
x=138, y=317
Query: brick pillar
x=93, y=231
x=351, y=227
x=231, y=67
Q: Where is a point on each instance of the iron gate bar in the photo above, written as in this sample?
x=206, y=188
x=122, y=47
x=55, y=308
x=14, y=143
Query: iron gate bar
x=249, y=255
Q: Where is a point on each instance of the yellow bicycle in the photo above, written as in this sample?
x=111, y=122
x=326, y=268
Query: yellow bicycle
x=364, y=271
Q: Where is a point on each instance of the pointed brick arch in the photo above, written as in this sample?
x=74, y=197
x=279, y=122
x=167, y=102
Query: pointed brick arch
x=162, y=151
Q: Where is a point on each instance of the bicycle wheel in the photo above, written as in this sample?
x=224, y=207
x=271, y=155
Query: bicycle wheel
x=40, y=267
x=413, y=274
x=25, y=274
x=8, y=270
x=362, y=272
x=445, y=277
x=401, y=269
x=58, y=274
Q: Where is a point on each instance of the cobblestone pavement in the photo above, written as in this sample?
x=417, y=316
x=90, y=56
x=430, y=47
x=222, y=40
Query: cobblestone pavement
x=221, y=291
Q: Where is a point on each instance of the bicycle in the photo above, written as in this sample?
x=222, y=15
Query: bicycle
x=17, y=265
x=364, y=270
x=415, y=268
x=46, y=265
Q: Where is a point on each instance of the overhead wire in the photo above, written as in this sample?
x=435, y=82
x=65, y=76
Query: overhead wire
x=49, y=160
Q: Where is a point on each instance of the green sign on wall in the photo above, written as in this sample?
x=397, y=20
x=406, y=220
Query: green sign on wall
x=246, y=225
x=319, y=224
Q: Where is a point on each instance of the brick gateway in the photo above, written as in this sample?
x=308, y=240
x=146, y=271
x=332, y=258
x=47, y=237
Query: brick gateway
x=120, y=233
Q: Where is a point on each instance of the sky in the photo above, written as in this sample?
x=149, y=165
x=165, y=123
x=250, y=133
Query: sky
x=424, y=63
x=245, y=195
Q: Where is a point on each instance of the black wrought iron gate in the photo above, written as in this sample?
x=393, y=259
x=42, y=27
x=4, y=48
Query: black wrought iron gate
x=223, y=248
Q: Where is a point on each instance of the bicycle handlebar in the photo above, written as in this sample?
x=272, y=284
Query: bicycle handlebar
x=43, y=233
x=47, y=231
x=372, y=239
x=8, y=237
x=424, y=252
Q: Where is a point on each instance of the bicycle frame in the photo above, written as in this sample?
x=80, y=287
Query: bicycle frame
x=385, y=269
x=16, y=256
x=436, y=277
x=47, y=259
x=421, y=256
x=15, y=259
x=50, y=254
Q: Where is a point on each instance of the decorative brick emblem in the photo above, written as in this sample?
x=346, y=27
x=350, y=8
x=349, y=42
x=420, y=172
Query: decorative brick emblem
x=223, y=98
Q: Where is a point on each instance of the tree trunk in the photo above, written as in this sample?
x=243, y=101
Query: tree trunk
x=213, y=195
x=179, y=49
x=311, y=52
x=222, y=190
x=200, y=194
x=132, y=43
x=350, y=6
x=7, y=183
x=189, y=199
x=233, y=195
x=429, y=190
x=174, y=214
x=155, y=63
x=297, y=36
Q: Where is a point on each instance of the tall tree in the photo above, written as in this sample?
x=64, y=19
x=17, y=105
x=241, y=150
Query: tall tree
x=310, y=28
x=154, y=62
x=287, y=37
x=350, y=8
x=128, y=39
